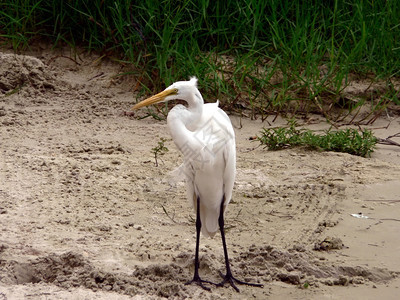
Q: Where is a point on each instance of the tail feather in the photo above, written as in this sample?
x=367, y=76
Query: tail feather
x=209, y=221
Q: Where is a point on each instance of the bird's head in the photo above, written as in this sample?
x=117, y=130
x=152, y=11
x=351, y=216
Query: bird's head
x=182, y=90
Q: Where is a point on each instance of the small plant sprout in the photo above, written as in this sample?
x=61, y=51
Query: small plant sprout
x=159, y=150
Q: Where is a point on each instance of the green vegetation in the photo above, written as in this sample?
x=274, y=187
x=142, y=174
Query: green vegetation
x=266, y=55
x=159, y=150
x=348, y=140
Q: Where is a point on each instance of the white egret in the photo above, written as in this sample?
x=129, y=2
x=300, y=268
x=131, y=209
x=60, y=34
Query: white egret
x=205, y=136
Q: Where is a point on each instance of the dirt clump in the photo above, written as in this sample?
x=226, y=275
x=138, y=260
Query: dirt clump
x=21, y=72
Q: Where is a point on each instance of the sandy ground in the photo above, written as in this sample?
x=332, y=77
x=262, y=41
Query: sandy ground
x=86, y=214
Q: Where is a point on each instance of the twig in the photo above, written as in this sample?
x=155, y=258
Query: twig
x=165, y=211
x=394, y=135
x=238, y=213
x=280, y=216
x=388, y=141
x=98, y=75
x=383, y=200
x=64, y=56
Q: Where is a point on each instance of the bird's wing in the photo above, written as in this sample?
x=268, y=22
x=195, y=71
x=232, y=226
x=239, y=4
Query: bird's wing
x=188, y=170
x=224, y=142
x=230, y=170
x=229, y=155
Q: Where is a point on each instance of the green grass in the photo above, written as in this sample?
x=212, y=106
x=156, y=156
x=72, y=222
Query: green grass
x=352, y=141
x=235, y=48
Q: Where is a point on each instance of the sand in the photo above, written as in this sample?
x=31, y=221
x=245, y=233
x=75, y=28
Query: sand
x=86, y=214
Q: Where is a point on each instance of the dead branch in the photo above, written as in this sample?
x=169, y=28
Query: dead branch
x=389, y=141
x=63, y=56
x=382, y=200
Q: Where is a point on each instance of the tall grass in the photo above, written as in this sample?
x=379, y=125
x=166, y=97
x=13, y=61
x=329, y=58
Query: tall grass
x=265, y=54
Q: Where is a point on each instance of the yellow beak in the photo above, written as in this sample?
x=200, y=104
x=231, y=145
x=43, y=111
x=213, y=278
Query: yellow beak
x=156, y=98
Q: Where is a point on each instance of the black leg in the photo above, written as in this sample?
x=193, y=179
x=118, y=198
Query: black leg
x=228, y=276
x=196, y=278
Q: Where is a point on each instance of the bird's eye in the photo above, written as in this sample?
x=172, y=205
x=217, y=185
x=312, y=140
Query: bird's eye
x=176, y=91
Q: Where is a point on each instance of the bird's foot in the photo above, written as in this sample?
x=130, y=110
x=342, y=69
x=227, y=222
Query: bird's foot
x=232, y=280
x=197, y=280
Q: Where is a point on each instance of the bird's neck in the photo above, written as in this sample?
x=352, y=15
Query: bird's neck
x=178, y=120
x=195, y=107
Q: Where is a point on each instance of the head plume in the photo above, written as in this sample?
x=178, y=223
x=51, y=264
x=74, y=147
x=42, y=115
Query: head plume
x=193, y=80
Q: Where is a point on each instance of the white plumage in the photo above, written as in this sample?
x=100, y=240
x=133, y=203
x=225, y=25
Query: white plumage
x=204, y=135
